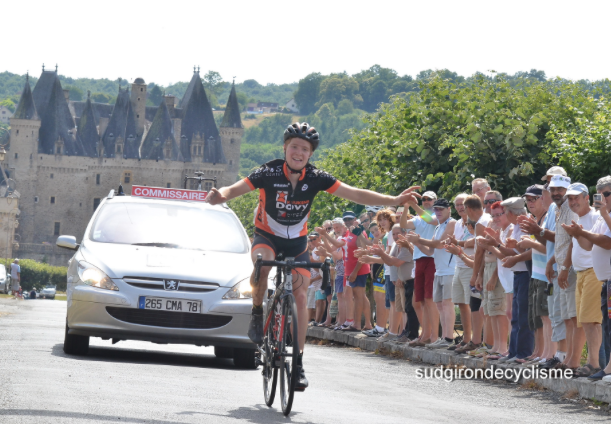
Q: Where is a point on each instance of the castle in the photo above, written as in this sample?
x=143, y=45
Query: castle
x=65, y=155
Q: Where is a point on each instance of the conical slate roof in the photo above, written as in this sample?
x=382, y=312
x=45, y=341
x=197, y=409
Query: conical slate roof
x=197, y=118
x=122, y=124
x=87, y=130
x=162, y=130
x=231, y=118
x=26, y=109
x=56, y=119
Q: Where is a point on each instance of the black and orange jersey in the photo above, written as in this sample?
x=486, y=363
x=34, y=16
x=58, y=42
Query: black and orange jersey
x=284, y=211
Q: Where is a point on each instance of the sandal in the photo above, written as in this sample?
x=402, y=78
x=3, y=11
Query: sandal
x=496, y=357
x=350, y=329
x=586, y=371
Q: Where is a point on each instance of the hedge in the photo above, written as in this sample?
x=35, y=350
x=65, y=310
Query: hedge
x=37, y=274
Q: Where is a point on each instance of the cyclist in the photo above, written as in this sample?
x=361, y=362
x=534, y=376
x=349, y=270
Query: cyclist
x=287, y=188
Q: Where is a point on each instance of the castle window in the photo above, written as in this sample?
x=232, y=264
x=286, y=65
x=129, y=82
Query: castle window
x=16, y=155
x=127, y=177
x=35, y=199
x=207, y=185
x=52, y=200
x=96, y=203
x=230, y=162
x=17, y=132
x=137, y=116
x=58, y=150
x=141, y=89
x=138, y=98
x=56, y=229
x=97, y=179
x=118, y=148
x=169, y=185
x=51, y=176
x=231, y=141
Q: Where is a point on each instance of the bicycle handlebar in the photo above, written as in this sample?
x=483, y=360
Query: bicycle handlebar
x=291, y=264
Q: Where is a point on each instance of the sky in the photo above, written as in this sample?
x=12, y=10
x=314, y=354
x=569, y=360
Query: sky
x=283, y=41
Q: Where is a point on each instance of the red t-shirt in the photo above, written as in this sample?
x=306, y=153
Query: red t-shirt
x=350, y=261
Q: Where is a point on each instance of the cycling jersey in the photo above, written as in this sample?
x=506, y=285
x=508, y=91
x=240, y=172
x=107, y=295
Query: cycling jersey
x=284, y=211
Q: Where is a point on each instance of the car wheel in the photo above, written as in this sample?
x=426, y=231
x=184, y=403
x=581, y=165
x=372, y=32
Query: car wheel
x=53, y=298
x=75, y=345
x=223, y=352
x=244, y=358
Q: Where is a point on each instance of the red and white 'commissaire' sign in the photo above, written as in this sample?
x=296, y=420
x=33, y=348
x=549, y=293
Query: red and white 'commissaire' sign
x=168, y=193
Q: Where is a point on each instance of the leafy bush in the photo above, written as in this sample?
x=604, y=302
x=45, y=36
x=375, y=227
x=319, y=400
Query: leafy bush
x=37, y=275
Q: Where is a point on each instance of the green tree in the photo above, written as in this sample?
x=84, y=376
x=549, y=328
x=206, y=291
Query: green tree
x=213, y=82
x=9, y=104
x=338, y=87
x=345, y=107
x=307, y=92
x=155, y=94
x=101, y=98
x=242, y=100
x=244, y=207
x=76, y=93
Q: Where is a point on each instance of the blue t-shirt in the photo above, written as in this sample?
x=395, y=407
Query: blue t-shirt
x=550, y=224
x=425, y=231
x=539, y=262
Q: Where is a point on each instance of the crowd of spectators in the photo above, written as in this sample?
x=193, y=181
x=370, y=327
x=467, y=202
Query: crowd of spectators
x=523, y=280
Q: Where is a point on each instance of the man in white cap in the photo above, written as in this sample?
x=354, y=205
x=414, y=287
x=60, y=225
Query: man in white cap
x=15, y=277
x=586, y=325
x=598, y=241
x=554, y=170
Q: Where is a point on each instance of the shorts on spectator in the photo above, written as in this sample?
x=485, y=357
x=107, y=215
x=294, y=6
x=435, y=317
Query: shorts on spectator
x=461, y=285
x=320, y=295
x=587, y=297
x=537, y=303
x=554, y=308
x=339, y=284
x=311, y=298
x=359, y=281
x=328, y=291
x=400, y=297
x=567, y=296
x=475, y=303
x=493, y=301
x=442, y=287
x=379, y=285
x=390, y=291
x=425, y=275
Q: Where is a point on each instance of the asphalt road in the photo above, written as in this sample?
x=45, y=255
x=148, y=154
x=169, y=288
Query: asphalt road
x=136, y=382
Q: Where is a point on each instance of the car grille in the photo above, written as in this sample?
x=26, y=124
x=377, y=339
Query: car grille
x=167, y=318
x=183, y=286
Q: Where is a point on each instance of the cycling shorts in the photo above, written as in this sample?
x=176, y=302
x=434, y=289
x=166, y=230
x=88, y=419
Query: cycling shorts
x=291, y=248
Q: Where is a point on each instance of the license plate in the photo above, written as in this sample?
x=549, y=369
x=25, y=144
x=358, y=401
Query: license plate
x=174, y=305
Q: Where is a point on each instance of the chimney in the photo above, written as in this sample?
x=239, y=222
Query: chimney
x=169, y=102
x=67, y=94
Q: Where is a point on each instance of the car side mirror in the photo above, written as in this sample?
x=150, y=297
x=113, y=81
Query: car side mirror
x=67, y=242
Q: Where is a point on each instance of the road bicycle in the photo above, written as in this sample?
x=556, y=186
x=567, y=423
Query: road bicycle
x=279, y=352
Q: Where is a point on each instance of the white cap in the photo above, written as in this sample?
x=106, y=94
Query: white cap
x=338, y=221
x=554, y=170
x=560, y=181
x=430, y=194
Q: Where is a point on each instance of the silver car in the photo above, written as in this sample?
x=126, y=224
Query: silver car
x=5, y=280
x=47, y=293
x=164, y=271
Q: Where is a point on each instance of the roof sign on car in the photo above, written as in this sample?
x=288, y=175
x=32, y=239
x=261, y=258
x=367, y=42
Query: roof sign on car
x=168, y=193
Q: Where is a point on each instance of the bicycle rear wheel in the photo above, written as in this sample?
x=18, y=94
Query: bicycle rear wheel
x=289, y=349
x=270, y=370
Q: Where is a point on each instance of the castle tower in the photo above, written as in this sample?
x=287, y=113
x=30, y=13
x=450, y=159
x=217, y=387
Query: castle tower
x=138, y=101
x=23, y=151
x=231, y=131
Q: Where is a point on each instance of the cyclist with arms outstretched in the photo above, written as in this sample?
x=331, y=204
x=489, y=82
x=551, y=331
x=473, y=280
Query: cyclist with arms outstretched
x=287, y=188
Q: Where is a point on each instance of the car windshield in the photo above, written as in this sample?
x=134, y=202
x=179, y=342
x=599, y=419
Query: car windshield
x=170, y=225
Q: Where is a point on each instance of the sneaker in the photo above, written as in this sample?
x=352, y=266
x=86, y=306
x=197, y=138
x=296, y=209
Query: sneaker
x=441, y=344
x=401, y=339
x=302, y=383
x=607, y=378
x=255, y=329
x=466, y=348
x=419, y=343
x=372, y=333
x=434, y=344
x=505, y=359
x=386, y=337
x=478, y=351
x=457, y=346
x=600, y=375
x=550, y=363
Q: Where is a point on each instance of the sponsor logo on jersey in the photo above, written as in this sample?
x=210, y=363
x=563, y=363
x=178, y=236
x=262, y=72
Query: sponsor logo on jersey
x=281, y=197
x=281, y=214
x=304, y=188
x=281, y=185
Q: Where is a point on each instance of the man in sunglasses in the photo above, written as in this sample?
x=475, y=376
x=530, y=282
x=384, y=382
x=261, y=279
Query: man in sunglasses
x=598, y=242
x=491, y=198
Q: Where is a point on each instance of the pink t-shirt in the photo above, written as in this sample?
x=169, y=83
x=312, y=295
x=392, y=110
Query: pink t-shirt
x=350, y=261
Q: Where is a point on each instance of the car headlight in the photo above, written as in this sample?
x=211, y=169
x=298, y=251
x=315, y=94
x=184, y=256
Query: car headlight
x=242, y=290
x=92, y=276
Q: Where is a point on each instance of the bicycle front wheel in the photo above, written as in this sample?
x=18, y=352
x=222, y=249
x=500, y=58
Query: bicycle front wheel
x=289, y=352
x=270, y=348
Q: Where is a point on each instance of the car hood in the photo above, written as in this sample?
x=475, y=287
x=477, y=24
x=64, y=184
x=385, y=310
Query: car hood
x=47, y=291
x=122, y=260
